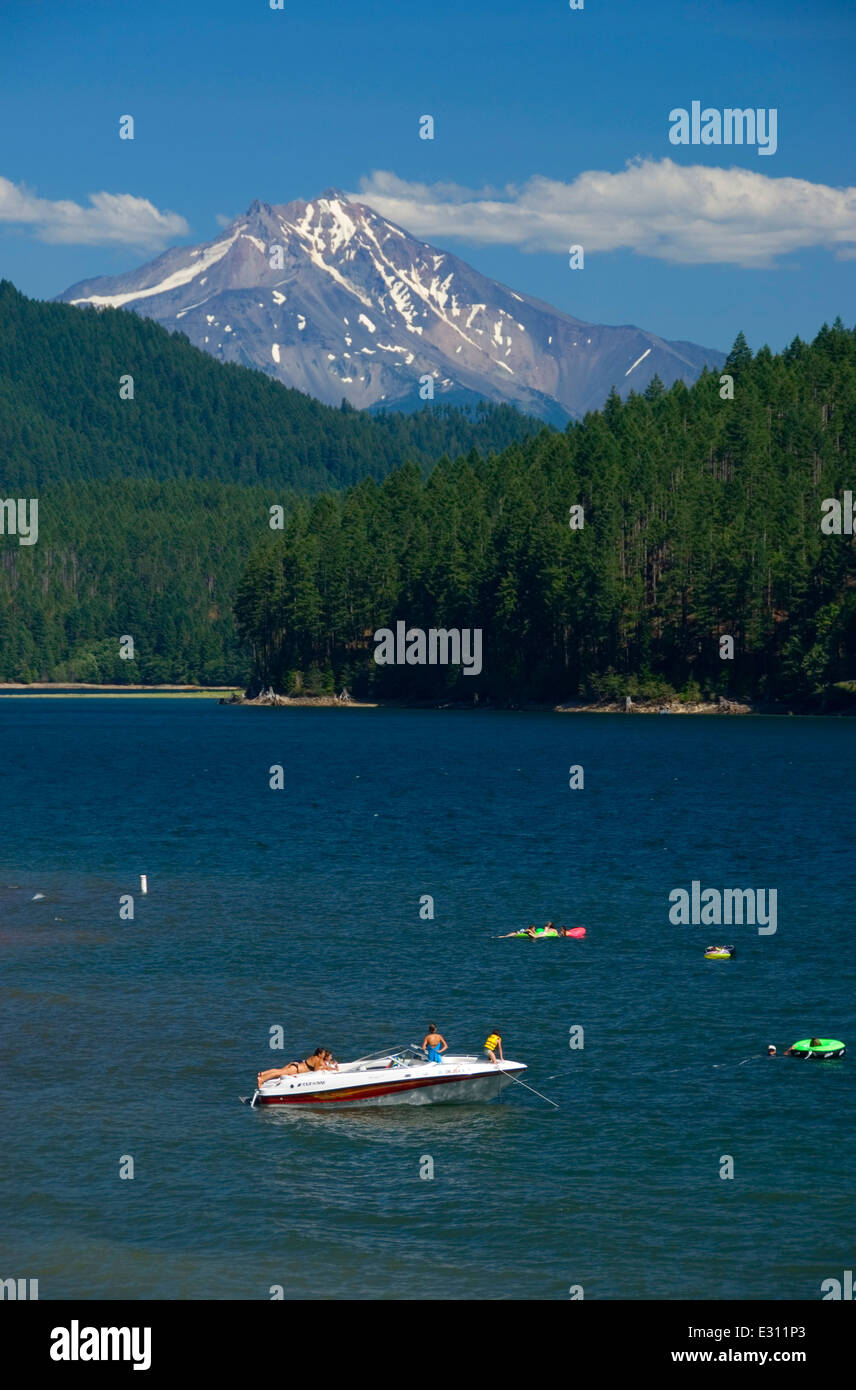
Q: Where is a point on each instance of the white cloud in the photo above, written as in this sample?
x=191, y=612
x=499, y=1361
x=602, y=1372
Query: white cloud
x=111, y=219
x=688, y=214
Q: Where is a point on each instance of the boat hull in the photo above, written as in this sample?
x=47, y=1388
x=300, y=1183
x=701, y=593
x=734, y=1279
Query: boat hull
x=412, y=1089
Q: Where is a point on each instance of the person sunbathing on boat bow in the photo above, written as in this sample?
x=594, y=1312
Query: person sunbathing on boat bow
x=321, y=1060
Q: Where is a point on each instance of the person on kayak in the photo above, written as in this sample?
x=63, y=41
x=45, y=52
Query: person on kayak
x=434, y=1044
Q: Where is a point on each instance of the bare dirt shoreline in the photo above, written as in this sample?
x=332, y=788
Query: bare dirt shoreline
x=269, y=700
x=665, y=707
x=266, y=701
x=702, y=707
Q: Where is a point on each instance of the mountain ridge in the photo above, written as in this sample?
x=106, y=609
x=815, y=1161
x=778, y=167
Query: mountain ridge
x=331, y=298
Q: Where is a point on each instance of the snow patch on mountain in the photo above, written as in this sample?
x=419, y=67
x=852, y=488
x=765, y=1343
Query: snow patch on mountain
x=209, y=257
x=638, y=360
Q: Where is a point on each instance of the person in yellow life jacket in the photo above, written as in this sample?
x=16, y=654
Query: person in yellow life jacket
x=492, y=1046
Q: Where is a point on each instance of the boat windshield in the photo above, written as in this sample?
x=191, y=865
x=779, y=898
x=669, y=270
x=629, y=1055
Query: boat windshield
x=411, y=1053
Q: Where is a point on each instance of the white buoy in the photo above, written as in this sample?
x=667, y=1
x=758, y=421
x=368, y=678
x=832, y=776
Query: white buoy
x=144, y=883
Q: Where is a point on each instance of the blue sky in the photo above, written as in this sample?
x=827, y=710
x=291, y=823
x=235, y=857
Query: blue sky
x=533, y=103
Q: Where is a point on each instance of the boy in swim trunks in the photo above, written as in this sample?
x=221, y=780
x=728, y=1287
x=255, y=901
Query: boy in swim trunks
x=492, y=1046
x=434, y=1044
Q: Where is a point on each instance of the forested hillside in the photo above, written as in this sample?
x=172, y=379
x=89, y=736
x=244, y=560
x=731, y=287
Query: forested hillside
x=159, y=562
x=62, y=418
x=701, y=520
x=149, y=507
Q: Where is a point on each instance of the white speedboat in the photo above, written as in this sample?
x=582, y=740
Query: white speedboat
x=403, y=1076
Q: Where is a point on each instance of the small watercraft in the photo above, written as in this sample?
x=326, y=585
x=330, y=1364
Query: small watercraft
x=720, y=953
x=403, y=1076
x=821, y=1048
x=539, y=932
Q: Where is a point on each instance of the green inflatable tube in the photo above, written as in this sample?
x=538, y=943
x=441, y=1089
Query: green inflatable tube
x=539, y=932
x=824, y=1047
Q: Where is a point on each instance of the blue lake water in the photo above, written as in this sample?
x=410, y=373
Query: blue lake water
x=300, y=908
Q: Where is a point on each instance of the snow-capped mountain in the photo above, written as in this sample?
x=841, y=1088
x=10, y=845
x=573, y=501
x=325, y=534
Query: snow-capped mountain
x=330, y=297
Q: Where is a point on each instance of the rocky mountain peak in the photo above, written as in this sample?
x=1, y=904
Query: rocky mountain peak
x=330, y=297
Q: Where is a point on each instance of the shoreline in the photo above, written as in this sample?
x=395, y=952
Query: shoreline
x=57, y=690
x=231, y=695
x=702, y=707
x=669, y=707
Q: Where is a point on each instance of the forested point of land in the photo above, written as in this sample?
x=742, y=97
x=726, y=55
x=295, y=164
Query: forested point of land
x=701, y=522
